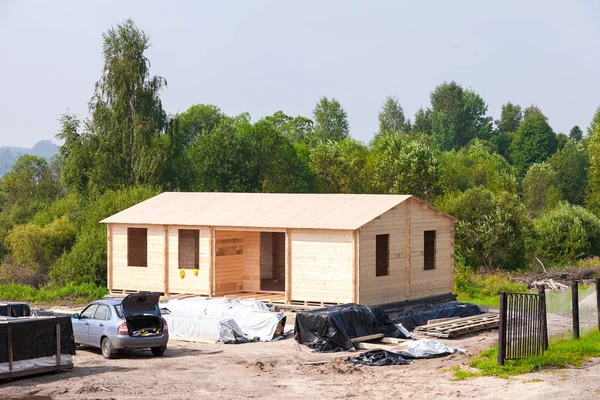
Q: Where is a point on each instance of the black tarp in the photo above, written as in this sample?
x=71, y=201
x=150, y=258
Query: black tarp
x=417, y=316
x=379, y=357
x=36, y=337
x=15, y=310
x=330, y=329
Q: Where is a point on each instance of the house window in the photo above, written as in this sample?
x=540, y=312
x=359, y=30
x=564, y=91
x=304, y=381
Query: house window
x=189, y=248
x=429, y=250
x=382, y=255
x=137, y=247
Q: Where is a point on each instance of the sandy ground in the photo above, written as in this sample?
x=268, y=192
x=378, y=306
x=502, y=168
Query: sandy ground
x=275, y=370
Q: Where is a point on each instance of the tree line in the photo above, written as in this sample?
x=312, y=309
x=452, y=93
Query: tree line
x=519, y=189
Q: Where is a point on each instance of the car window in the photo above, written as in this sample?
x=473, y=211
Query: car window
x=119, y=311
x=88, y=312
x=102, y=312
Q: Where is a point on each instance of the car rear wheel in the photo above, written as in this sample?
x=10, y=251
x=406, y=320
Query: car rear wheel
x=107, y=349
x=158, y=351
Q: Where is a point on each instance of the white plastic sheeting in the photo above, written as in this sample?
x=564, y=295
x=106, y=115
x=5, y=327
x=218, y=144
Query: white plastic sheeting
x=201, y=318
x=426, y=348
x=34, y=363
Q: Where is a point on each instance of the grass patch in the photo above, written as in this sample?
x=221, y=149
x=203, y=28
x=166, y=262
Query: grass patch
x=484, y=288
x=561, y=353
x=52, y=295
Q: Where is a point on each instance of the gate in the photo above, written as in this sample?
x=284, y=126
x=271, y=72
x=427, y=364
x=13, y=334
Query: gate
x=523, y=330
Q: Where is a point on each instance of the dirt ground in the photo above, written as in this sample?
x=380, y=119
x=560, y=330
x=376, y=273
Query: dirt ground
x=275, y=370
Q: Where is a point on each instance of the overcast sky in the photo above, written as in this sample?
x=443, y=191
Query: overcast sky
x=265, y=56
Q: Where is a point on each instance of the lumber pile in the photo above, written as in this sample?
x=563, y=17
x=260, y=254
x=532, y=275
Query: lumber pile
x=461, y=326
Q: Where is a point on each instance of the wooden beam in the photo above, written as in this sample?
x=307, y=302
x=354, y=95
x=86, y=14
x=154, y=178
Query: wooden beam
x=166, y=260
x=355, y=266
x=288, y=266
x=451, y=266
x=213, y=262
x=407, y=250
x=109, y=257
x=367, y=337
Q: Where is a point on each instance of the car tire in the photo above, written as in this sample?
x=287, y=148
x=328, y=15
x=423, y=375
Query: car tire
x=158, y=351
x=107, y=349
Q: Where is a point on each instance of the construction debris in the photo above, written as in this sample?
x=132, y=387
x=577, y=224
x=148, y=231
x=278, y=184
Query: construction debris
x=550, y=284
x=461, y=326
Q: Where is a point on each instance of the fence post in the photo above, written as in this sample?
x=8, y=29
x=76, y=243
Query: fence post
x=542, y=293
x=502, y=330
x=598, y=300
x=575, y=308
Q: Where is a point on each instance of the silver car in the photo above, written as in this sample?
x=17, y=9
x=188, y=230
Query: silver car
x=131, y=323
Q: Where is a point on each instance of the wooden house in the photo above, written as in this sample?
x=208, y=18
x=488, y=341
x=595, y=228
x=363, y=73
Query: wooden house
x=288, y=248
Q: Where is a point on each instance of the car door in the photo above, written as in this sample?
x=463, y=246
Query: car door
x=81, y=324
x=98, y=324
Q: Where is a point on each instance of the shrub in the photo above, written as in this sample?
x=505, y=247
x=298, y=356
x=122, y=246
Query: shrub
x=493, y=228
x=567, y=233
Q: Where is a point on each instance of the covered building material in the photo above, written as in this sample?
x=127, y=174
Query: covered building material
x=14, y=310
x=412, y=317
x=219, y=319
x=333, y=328
x=409, y=351
x=314, y=249
x=32, y=345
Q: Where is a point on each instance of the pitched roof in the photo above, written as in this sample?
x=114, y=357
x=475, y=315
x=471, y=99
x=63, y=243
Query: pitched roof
x=259, y=210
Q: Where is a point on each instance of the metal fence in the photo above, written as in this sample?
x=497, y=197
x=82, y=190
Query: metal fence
x=523, y=329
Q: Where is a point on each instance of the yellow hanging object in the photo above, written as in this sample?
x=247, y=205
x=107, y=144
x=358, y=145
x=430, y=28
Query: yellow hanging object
x=181, y=273
x=196, y=272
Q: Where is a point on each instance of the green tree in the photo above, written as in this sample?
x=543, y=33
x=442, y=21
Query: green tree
x=85, y=262
x=391, y=117
x=510, y=118
x=540, y=192
x=405, y=165
x=123, y=136
x=567, y=233
x=477, y=165
x=534, y=141
x=422, y=122
x=296, y=129
x=595, y=122
x=340, y=166
x=36, y=248
x=493, y=228
x=478, y=124
x=448, y=116
x=576, y=134
x=331, y=121
x=592, y=198
x=571, y=164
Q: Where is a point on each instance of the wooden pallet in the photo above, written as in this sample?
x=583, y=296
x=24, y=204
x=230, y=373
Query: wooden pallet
x=461, y=326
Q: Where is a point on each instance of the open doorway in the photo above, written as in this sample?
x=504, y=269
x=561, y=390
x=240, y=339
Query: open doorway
x=272, y=261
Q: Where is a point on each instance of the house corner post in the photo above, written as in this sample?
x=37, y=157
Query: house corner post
x=355, y=266
x=288, y=267
x=407, y=249
x=109, y=258
x=213, y=262
x=166, y=260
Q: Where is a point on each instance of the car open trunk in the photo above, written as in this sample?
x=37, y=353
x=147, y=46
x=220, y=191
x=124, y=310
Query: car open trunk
x=142, y=314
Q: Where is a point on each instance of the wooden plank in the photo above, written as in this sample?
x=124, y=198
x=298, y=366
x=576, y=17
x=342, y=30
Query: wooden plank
x=367, y=337
x=58, y=349
x=440, y=320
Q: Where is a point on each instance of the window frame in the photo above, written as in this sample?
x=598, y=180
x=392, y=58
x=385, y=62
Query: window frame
x=429, y=263
x=382, y=269
x=196, y=249
x=132, y=259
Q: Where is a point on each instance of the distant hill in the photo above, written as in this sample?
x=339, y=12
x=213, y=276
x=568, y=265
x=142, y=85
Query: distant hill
x=9, y=155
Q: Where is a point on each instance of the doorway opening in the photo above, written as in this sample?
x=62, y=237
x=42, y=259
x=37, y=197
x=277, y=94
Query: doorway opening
x=272, y=261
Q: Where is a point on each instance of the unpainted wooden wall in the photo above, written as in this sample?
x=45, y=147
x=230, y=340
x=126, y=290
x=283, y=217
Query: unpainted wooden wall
x=321, y=265
x=393, y=288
